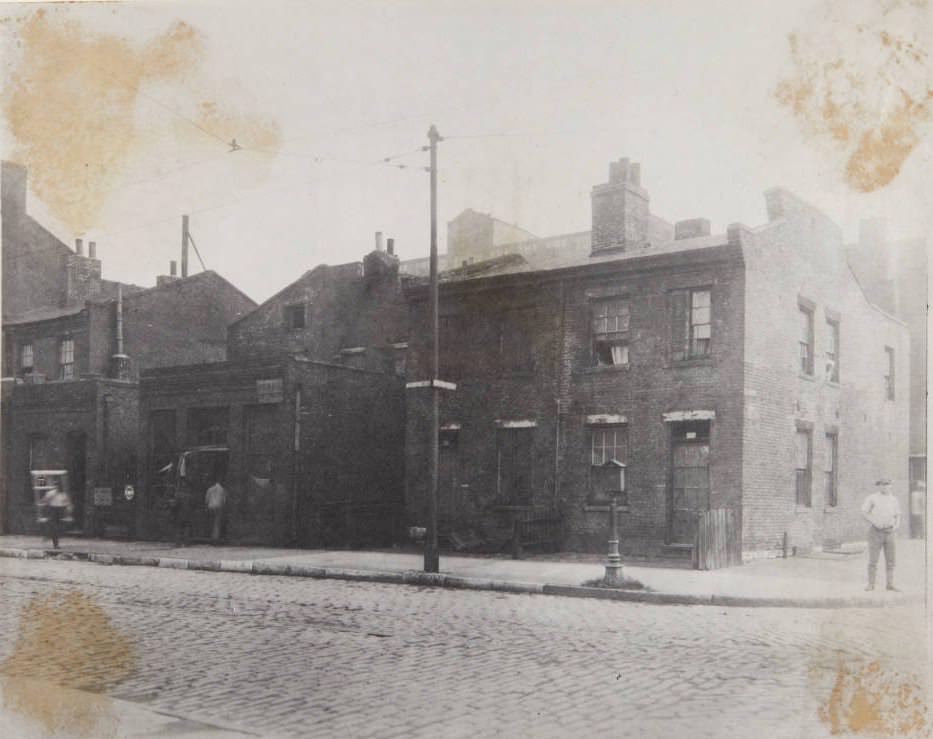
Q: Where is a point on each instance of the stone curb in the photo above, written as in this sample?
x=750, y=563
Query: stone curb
x=434, y=579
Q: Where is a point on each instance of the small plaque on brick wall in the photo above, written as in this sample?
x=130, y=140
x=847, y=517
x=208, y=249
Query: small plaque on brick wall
x=269, y=391
x=103, y=496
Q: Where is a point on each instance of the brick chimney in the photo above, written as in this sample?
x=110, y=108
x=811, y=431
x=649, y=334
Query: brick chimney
x=620, y=210
x=13, y=186
x=82, y=274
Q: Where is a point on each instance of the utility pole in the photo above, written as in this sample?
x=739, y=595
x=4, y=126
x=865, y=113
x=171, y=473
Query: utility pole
x=431, y=557
x=184, y=246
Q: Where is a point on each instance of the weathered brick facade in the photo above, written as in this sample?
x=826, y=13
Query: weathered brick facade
x=318, y=461
x=352, y=314
x=710, y=426
x=70, y=398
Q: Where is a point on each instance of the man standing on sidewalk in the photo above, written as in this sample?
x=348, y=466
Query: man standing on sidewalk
x=216, y=500
x=883, y=512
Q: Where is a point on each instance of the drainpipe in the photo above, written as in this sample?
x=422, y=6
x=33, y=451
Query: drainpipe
x=119, y=362
x=296, y=462
x=560, y=385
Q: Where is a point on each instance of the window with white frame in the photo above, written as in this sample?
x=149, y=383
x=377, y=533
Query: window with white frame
x=691, y=323
x=610, y=328
x=832, y=350
x=26, y=357
x=803, y=453
x=830, y=471
x=805, y=338
x=66, y=359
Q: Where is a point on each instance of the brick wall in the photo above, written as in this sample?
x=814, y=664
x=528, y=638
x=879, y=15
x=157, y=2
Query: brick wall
x=47, y=415
x=343, y=308
x=799, y=256
x=563, y=377
x=350, y=444
x=181, y=322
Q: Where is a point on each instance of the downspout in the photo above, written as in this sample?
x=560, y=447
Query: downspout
x=296, y=463
x=560, y=384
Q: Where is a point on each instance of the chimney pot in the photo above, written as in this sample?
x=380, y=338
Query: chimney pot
x=173, y=268
x=79, y=247
x=92, y=249
x=390, y=246
x=378, y=240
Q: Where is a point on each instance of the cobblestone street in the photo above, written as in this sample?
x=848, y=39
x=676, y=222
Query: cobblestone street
x=290, y=656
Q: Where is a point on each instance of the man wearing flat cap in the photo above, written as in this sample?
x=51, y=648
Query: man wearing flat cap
x=883, y=512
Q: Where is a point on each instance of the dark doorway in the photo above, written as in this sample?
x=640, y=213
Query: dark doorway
x=76, y=464
x=690, y=491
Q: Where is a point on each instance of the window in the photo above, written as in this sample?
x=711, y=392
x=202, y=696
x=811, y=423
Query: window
x=208, y=426
x=889, y=374
x=66, y=359
x=803, y=453
x=691, y=323
x=608, y=448
x=295, y=316
x=452, y=343
x=805, y=339
x=832, y=456
x=514, y=456
x=26, y=358
x=611, y=332
x=516, y=347
x=832, y=351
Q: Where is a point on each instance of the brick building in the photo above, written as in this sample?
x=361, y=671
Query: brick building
x=743, y=371
x=304, y=423
x=73, y=345
x=894, y=273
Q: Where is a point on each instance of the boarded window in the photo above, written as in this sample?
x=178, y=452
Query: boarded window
x=208, y=426
x=453, y=346
x=516, y=340
x=514, y=452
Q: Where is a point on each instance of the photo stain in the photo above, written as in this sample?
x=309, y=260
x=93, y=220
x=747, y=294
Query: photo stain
x=66, y=639
x=874, y=701
x=70, y=101
x=864, y=89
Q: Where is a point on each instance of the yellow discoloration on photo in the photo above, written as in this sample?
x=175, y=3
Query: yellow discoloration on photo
x=66, y=639
x=863, y=89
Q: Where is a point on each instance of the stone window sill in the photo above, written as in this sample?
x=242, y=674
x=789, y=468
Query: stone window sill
x=803, y=509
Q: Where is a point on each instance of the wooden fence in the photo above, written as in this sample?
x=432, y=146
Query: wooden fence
x=718, y=540
x=536, y=529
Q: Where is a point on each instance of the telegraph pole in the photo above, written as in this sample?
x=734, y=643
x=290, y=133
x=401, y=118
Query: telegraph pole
x=184, y=246
x=431, y=557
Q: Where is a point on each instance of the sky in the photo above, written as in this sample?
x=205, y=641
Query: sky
x=124, y=113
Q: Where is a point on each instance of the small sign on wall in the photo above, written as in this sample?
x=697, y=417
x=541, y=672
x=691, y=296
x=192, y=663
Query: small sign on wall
x=103, y=496
x=269, y=391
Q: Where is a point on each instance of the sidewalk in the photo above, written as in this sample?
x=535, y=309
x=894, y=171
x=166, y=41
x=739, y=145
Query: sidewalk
x=812, y=581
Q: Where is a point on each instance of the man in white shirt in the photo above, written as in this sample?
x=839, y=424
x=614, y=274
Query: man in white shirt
x=216, y=499
x=883, y=512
